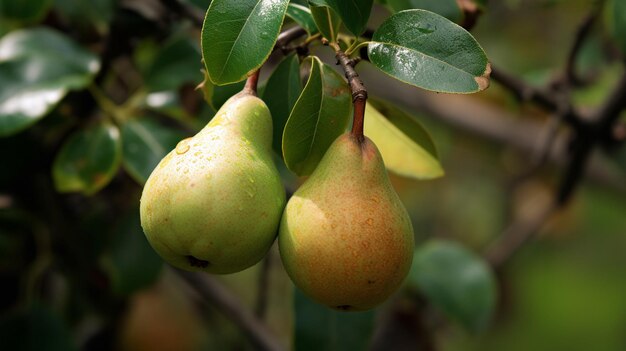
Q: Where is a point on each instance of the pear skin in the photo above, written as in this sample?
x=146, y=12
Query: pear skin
x=345, y=238
x=214, y=203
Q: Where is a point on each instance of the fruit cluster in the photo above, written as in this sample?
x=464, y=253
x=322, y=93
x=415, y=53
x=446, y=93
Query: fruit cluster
x=216, y=202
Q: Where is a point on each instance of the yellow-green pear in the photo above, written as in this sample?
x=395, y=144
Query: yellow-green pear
x=214, y=203
x=345, y=238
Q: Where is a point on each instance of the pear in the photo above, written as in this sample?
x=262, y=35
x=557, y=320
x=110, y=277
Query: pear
x=214, y=203
x=345, y=238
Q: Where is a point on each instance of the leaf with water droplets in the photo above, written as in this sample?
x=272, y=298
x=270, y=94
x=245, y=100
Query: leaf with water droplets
x=319, y=116
x=238, y=36
x=424, y=49
x=88, y=160
x=405, y=145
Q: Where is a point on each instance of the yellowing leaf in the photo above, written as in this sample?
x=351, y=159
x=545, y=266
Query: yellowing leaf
x=408, y=151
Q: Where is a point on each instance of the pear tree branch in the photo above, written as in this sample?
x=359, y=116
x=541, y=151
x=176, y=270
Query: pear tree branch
x=211, y=290
x=359, y=93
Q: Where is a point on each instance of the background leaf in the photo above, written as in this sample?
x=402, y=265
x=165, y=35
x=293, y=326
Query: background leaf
x=88, y=160
x=177, y=62
x=405, y=145
x=37, y=328
x=447, y=8
x=303, y=16
x=23, y=10
x=455, y=280
x=327, y=21
x=281, y=93
x=424, y=49
x=353, y=13
x=618, y=9
x=37, y=68
x=145, y=143
x=321, y=328
x=238, y=36
x=320, y=115
x=131, y=263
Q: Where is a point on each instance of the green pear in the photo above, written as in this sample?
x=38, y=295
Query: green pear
x=214, y=203
x=345, y=238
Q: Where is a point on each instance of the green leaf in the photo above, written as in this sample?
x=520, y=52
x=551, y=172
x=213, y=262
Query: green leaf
x=302, y=15
x=353, y=13
x=36, y=328
x=85, y=15
x=320, y=115
x=455, y=280
x=424, y=49
x=447, y=8
x=88, y=160
x=327, y=21
x=216, y=95
x=405, y=145
x=131, y=263
x=281, y=93
x=23, y=10
x=618, y=9
x=37, y=69
x=176, y=63
x=145, y=143
x=321, y=328
x=238, y=36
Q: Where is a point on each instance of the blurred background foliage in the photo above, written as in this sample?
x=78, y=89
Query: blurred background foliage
x=82, y=131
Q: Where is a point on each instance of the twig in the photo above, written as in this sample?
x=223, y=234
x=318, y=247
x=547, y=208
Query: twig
x=525, y=92
x=571, y=78
x=586, y=140
x=211, y=290
x=517, y=234
x=264, y=277
x=287, y=36
x=359, y=93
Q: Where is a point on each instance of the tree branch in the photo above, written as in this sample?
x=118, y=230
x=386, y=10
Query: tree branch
x=211, y=290
x=359, y=93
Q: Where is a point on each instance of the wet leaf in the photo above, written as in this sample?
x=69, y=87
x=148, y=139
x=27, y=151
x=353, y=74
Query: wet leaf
x=447, y=8
x=303, y=16
x=320, y=115
x=455, y=280
x=405, y=145
x=238, y=36
x=327, y=21
x=281, y=93
x=424, y=49
x=88, y=160
x=37, y=69
x=321, y=328
x=145, y=143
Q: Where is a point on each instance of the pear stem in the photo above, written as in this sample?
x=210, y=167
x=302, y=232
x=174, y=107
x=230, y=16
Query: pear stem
x=359, y=93
x=251, y=83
